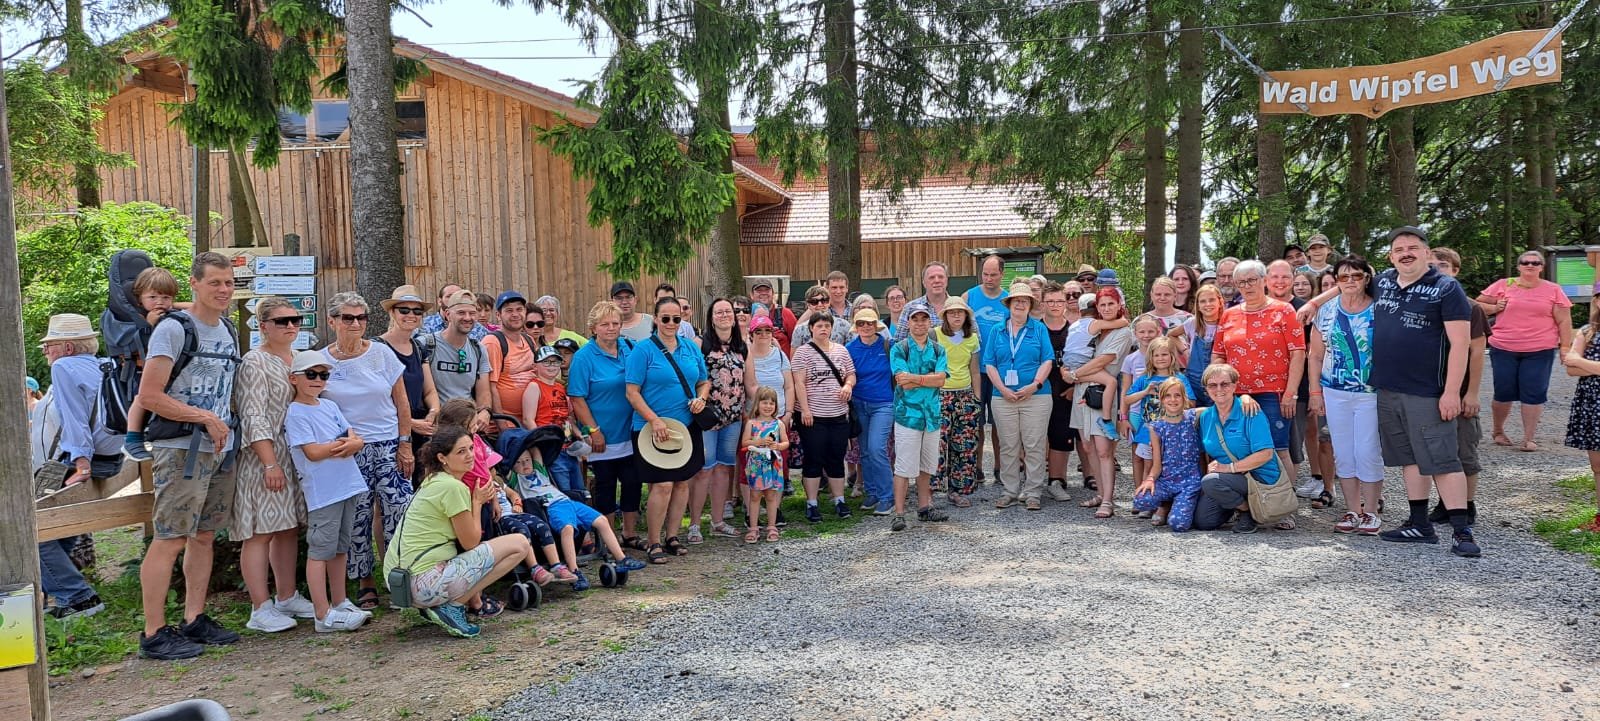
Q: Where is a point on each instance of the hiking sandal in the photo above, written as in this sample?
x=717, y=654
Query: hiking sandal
x=675, y=546
x=367, y=598
x=634, y=542
x=655, y=554
x=1324, y=500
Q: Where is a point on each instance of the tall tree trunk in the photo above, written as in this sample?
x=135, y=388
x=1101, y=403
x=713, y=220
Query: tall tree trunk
x=1549, y=112
x=1508, y=185
x=1155, y=147
x=201, y=198
x=1271, y=198
x=1191, y=146
x=1403, y=164
x=85, y=177
x=1356, y=185
x=727, y=269
x=841, y=128
x=376, y=215
x=1532, y=174
x=240, y=191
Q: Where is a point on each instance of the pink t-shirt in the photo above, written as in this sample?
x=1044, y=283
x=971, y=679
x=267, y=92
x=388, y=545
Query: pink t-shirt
x=1528, y=323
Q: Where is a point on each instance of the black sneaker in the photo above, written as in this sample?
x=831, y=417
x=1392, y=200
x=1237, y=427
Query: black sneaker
x=1245, y=523
x=1408, y=533
x=931, y=515
x=1439, y=514
x=841, y=508
x=204, y=630
x=168, y=645
x=1464, y=545
x=86, y=608
x=898, y=524
x=813, y=513
x=781, y=522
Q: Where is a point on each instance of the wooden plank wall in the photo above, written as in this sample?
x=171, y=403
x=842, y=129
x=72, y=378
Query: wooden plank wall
x=487, y=205
x=901, y=259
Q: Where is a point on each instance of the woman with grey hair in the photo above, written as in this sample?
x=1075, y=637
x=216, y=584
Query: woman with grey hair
x=366, y=383
x=552, y=331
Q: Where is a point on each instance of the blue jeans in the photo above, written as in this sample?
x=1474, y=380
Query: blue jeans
x=1272, y=408
x=564, y=473
x=877, y=423
x=58, y=576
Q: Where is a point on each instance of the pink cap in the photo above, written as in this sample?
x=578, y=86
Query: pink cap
x=760, y=322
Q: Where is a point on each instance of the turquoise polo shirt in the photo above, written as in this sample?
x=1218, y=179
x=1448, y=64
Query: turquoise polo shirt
x=647, y=367
x=1023, y=352
x=598, y=378
x=1245, y=436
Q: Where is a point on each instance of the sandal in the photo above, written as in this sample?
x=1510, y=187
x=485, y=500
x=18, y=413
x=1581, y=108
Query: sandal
x=490, y=607
x=959, y=501
x=772, y=534
x=1090, y=502
x=1325, y=500
x=1107, y=510
x=1501, y=439
x=367, y=598
x=634, y=542
x=675, y=546
x=655, y=554
x=1089, y=484
x=1528, y=447
x=752, y=535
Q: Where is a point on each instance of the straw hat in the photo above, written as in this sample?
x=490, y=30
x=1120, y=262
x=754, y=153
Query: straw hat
x=956, y=302
x=670, y=454
x=1086, y=268
x=68, y=326
x=405, y=294
x=1019, y=289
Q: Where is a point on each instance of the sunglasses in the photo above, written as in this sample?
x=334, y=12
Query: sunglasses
x=535, y=324
x=865, y=323
x=1530, y=263
x=461, y=362
x=816, y=301
x=346, y=317
x=1220, y=385
x=670, y=319
x=1343, y=277
x=409, y=310
x=286, y=321
x=317, y=375
x=1074, y=296
x=741, y=309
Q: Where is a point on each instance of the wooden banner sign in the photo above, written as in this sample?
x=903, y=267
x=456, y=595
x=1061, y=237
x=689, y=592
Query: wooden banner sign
x=1372, y=90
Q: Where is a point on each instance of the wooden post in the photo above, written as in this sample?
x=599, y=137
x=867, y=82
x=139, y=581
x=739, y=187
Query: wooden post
x=19, y=553
x=202, y=199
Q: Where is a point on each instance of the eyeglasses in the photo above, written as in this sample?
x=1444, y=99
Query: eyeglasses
x=1219, y=385
x=409, y=310
x=548, y=310
x=286, y=321
x=1056, y=302
x=317, y=375
x=669, y=319
x=347, y=318
x=1346, y=277
x=1245, y=282
x=1530, y=263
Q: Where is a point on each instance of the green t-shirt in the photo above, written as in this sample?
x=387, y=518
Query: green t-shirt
x=427, y=524
x=573, y=335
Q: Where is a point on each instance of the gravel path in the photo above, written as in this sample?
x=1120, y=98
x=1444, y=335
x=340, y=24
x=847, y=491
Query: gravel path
x=1046, y=615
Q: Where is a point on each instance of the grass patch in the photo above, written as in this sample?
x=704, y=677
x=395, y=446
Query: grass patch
x=1562, y=531
x=309, y=694
x=794, y=511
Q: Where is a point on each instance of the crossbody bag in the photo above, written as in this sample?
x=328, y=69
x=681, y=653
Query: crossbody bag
x=1269, y=502
x=850, y=413
x=706, y=419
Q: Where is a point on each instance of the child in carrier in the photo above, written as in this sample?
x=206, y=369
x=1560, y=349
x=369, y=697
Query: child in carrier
x=509, y=518
x=765, y=439
x=532, y=479
x=156, y=292
x=1173, y=478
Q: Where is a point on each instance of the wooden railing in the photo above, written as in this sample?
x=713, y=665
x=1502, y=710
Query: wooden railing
x=95, y=506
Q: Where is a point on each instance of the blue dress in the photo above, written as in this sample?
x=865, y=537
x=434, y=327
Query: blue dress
x=1179, y=482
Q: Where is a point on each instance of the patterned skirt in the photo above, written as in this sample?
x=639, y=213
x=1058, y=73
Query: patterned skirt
x=958, y=445
x=257, y=510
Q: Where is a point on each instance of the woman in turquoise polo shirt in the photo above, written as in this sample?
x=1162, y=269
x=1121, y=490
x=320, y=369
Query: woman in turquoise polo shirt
x=1238, y=444
x=1017, y=359
x=656, y=392
x=599, y=398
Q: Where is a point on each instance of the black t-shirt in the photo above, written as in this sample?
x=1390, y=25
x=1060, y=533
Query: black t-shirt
x=1058, y=385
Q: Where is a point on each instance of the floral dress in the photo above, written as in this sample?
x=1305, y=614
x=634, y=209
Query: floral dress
x=1179, y=482
x=1583, y=426
x=761, y=470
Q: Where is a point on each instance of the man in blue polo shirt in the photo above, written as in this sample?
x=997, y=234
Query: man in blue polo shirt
x=988, y=303
x=1420, y=336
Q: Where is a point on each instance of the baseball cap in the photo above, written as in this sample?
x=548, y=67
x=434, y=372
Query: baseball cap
x=1318, y=239
x=508, y=297
x=1408, y=230
x=1107, y=278
x=566, y=344
x=307, y=359
x=760, y=322
x=622, y=286
x=545, y=353
x=461, y=297
x=762, y=282
x=919, y=309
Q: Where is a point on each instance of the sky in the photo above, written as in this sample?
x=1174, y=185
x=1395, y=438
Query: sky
x=497, y=37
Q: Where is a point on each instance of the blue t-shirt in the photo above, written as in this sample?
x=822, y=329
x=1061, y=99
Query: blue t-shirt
x=1024, y=352
x=598, y=378
x=1409, y=347
x=1347, y=337
x=988, y=312
x=873, y=382
x=647, y=367
x=1150, y=408
x=1245, y=436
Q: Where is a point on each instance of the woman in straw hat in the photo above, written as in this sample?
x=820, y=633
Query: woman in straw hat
x=1017, y=359
x=406, y=310
x=958, y=402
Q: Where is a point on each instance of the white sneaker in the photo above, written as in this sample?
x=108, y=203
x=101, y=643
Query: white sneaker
x=339, y=619
x=727, y=511
x=266, y=618
x=349, y=607
x=1309, y=488
x=1057, y=493
x=1370, y=524
x=297, y=606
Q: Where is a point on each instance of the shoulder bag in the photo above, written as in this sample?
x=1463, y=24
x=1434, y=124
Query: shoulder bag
x=399, y=578
x=706, y=419
x=850, y=415
x=1269, y=502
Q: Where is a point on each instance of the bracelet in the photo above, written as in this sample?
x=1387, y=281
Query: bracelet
x=269, y=466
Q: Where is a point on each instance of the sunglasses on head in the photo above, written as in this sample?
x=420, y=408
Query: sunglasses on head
x=286, y=321
x=346, y=317
x=409, y=310
x=317, y=375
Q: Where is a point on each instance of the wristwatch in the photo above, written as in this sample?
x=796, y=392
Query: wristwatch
x=404, y=438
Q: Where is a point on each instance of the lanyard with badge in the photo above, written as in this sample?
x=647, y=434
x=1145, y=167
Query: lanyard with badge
x=1016, y=342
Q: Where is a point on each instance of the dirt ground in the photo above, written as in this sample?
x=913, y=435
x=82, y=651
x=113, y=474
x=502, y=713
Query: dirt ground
x=400, y=667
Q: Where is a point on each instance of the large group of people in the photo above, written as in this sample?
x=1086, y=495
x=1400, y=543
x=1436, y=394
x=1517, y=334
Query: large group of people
x=477, y=437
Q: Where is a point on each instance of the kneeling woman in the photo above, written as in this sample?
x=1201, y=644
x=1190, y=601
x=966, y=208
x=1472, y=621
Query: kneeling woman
x=442, y=517
x=1239, y=444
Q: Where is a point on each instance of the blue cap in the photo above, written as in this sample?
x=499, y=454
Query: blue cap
x=1108, y=278
x=33, y=385
x=507, y=297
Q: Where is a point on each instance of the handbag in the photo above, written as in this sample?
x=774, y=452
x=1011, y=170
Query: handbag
x=850, y=415
x=399, y=578
x=1094, y=396
x=1269, y=502
x=706, y=419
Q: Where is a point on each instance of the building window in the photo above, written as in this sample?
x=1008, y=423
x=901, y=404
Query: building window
x=329, y=122
x=292, y=126
x=412, y=120
x=332, y=119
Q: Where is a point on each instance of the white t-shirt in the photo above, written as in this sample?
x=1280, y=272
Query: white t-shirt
x=537, y=485
x=330, y=480
x=365, y=386
x=1133, y=365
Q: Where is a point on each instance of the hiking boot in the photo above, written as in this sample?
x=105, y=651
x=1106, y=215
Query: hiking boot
x=85, y=608
x=898, y=524
x=169, y=644
x=452, y=617
x=204, y=630
x=1245, y=523
x=1465, y=546
x=929, y=514
x=1439, y=514
x=1408, y=533
x=296, y=606
x=267, y=618
x=813, y=513
x=840, y=509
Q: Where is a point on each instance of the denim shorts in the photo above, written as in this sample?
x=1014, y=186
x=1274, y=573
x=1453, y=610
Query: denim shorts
x=1272, y=408
x=1522, y=377
x=722, y=445
x=571, y=513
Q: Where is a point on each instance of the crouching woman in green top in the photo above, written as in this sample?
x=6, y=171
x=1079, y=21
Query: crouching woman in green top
x=440, y=540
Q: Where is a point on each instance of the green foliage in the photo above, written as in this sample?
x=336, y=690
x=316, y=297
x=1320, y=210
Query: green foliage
x=51, y=121
x=1122, y=251
x=1563, y=531
x=63, y=265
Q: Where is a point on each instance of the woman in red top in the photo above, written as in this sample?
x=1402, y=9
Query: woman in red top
x=1261, y=338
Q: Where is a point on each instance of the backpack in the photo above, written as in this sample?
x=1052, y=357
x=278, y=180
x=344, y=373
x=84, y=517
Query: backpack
x=158, y=428
x=126, y=330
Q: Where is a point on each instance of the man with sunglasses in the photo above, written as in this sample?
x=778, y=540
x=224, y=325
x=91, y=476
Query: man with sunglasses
x=817, y=301
x=636, y=326
x=459, y=364
x=510, y=352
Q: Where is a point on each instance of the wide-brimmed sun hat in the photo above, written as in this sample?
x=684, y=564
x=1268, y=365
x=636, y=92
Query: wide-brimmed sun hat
x=68, y=326
x=670, y=454
x=1019, y=289
x=405, y=294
